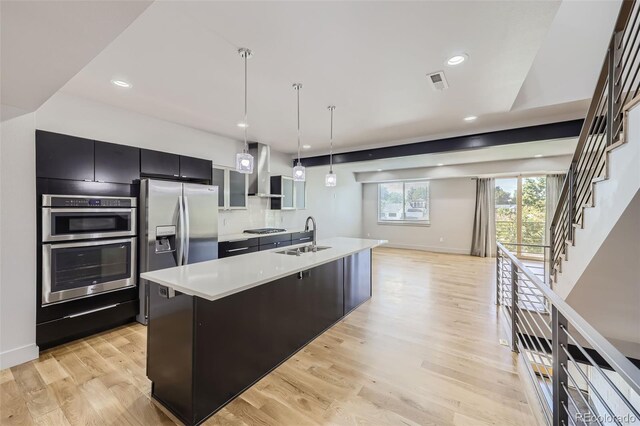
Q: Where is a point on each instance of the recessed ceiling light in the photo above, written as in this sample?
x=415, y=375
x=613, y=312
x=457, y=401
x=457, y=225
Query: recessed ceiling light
x=470, y=118
x=121, y=83
x=378, y=170
x=306, y=146
x=538, y=155
x=457, y=59
x=242, y=125
x=440, y=164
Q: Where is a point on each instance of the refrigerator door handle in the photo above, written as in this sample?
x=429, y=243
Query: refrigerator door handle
x=187, y=233
x=180, y=248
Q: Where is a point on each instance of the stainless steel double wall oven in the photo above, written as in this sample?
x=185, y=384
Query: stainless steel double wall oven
x=89, y=246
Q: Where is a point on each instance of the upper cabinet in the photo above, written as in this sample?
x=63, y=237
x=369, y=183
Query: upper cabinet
x=238, y=188
x=69, y=157
x=157, y=163
x=300, y=191
x=64, y=157
x=293, y=193
x=195, y=168
x=116, y=163
x=232, y=188
x=219, y=180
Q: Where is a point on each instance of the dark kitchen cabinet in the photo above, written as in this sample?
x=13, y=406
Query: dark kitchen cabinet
x=237, y=247
x=282, y=185
x=275, y=245
x=195, y=168
x=269, y=239
x=302, y=237
x=116, y=163
x=323, y=301
x=64, y=157
x=357, y=280
x=202, y=354
x=156, y=163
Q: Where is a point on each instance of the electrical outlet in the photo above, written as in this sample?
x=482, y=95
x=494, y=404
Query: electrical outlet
x=368, y=234
x=442, y=239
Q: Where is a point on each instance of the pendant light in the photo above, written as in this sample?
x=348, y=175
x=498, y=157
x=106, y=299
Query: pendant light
x=331, y=179
x=244, y=160
x=298, y=170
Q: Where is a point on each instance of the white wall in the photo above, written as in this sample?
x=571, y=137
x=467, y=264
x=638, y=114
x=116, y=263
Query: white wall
x=17, y=241
x=337, y=210
x=452, y=206
x=76, y=116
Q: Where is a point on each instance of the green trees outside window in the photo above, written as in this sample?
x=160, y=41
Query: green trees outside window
x=520, y=212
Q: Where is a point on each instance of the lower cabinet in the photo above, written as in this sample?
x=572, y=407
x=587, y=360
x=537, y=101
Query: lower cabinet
x=357, y=280
x=277, y=244
x=238, y=247
x=202, y=354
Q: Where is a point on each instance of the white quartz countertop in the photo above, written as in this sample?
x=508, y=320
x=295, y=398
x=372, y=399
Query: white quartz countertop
x=219, y=278
x=245, y=236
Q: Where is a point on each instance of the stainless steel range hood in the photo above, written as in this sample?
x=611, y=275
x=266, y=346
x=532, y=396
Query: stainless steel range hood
x=260, y=179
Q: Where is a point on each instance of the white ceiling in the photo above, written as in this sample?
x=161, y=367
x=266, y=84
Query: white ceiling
x=45, y=43
x=367, y=58
x=570, y=58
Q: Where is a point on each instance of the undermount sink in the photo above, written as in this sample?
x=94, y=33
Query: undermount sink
x=301, y=250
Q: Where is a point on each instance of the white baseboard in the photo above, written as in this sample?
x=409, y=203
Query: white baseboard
x=436, y=249
x=18, y=356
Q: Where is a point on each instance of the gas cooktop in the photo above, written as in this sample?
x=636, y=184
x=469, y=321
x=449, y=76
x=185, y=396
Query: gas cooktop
x=264, y=231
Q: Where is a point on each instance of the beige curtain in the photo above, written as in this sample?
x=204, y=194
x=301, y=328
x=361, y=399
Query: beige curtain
x=553, y=190
x=483, y=243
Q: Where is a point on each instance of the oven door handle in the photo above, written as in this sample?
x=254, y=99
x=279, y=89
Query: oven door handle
x=187, y=230
x=180, y=248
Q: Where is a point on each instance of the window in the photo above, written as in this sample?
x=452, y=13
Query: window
x=403, y=203
x=520, y=214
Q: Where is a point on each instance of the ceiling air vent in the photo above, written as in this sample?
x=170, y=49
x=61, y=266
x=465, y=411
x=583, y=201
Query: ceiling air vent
x=438, y=80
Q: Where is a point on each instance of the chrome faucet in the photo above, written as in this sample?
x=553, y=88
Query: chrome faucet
x=315, y=232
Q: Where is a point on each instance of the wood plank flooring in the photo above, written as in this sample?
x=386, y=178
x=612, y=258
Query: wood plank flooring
x=423, y=351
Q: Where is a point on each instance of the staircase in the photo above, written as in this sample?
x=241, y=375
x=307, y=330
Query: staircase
x=608, y=197
x=604, y=177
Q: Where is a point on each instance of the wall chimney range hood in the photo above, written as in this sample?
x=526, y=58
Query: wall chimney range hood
x=260, y=179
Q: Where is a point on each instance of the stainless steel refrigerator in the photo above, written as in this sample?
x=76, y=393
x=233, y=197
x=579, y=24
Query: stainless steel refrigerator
x=178, y=226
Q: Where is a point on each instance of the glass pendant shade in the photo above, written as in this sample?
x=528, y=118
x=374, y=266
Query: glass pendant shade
x=299, y=173
x=244, y=162
x=330, y=179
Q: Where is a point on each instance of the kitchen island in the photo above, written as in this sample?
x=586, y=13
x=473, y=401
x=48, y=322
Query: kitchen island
x=217, y=327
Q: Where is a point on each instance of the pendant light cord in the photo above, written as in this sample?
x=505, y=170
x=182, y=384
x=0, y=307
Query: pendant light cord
x=246, y=124
x=331, y=108
x=298, y=86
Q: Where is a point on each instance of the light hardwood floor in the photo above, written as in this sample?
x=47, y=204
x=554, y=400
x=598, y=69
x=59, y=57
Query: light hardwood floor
x=424, y=350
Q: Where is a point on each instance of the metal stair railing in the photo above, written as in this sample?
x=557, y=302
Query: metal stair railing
x=618, y=84
x=579, y=376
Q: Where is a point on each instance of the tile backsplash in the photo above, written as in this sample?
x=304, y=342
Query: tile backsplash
x=258, y=215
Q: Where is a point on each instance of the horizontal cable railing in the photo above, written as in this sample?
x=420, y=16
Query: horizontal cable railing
x=618, y=84
x=560, y=349
x=536, y=257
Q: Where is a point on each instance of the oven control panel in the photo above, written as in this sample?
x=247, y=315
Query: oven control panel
x=87, y=202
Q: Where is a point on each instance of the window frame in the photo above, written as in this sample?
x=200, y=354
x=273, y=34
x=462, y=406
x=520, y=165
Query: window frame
x=405, y=222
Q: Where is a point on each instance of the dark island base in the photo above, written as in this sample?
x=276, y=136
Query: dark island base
x=203, y=354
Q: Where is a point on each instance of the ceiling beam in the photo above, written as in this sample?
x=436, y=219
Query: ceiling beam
x=561, y=130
